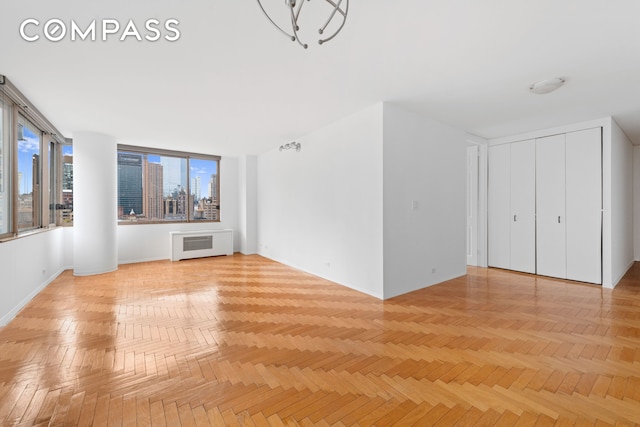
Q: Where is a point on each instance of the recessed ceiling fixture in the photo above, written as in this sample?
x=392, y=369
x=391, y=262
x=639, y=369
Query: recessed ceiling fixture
x=336, y=9
x=546, y=86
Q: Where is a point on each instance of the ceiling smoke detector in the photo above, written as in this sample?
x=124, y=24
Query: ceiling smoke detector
x=547, y=86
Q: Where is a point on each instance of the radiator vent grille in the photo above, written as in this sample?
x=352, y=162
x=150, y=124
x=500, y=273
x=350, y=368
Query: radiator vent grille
x=197, y=243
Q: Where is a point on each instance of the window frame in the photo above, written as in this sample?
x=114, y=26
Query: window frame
x=180, y=155
x=8, y=180
x=19, y=106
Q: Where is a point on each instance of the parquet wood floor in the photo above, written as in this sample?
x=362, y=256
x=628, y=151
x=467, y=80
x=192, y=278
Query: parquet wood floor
x=244, y=341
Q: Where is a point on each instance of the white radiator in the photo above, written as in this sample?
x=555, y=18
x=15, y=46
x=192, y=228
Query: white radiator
x=198, y=244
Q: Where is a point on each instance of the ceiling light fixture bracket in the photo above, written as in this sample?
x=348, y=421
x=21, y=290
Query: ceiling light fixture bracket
x=291, y=146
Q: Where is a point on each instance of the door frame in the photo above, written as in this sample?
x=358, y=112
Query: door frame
x=482, y=182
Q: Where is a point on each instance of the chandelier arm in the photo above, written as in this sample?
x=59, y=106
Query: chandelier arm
x=336, y=7
x=294, y=24
x=298, y=12
x=344, y=19
x=293, y=38
x=343, y=13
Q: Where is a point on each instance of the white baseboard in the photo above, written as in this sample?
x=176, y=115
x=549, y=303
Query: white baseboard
x=346, y=285
x=436, y=282
x=136, y=261
x=4, y=320
x=627, y=268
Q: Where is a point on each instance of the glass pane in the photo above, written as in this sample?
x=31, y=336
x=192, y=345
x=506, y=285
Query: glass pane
x=5, y=168
x=152, y=188
x=29, y=191
x=205, y=187
x=65, y=210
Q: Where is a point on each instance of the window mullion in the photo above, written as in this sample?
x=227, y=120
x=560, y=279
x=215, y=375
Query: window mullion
x=189, y=203
x=44, y=179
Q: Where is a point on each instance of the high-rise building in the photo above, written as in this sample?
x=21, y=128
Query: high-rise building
x=174, y=174
x=130, y=183
x=211, y=211
x=153, y=200
x=67, y=173
x=213, y=188
x=176, y=205
x=195, y=187
x=67, y=190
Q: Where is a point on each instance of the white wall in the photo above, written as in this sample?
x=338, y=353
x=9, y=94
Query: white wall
x=67, y=247
x=622, y=255
x=248, y=204
x=636, y=202
x=28, y=265
x=150, y=242
x=320, y=209
x=425, y=162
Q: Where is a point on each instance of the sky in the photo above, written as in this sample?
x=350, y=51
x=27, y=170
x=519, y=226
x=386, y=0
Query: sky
x=27, y=147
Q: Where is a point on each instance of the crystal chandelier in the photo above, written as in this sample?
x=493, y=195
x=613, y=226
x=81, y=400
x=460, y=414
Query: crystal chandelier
x=336, y=11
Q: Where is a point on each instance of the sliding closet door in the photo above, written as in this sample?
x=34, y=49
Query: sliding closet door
x=499, y=206
x=523, y=206
x=584, y=205
x=550, y=205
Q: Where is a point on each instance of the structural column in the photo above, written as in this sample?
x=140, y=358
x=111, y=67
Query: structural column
x=95, y=189
x=248, y=196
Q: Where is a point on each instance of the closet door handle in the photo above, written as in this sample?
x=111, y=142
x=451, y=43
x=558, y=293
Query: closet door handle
x=514, y=218
x=558, y=219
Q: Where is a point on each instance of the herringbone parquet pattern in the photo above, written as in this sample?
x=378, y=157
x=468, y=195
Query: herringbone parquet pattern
x=246, y=341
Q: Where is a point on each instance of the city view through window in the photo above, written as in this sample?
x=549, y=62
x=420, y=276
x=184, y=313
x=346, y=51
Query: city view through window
x=29, y=191
x=65, y=210
x=158, y=188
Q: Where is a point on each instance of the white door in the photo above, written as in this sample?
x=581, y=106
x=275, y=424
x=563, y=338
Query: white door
x=523, y=206
x=550, y=205
x=584, y=205
x=499, y=225
x=472, y=205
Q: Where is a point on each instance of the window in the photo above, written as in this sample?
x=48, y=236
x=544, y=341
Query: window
x=29, y=152
x=29, y=178
x=204, y=190
x=167, y=186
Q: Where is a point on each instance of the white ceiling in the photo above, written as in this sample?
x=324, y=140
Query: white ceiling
x=232, y=84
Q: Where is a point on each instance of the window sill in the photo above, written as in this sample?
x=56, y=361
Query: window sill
x=166, y=222
x=27, y=234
